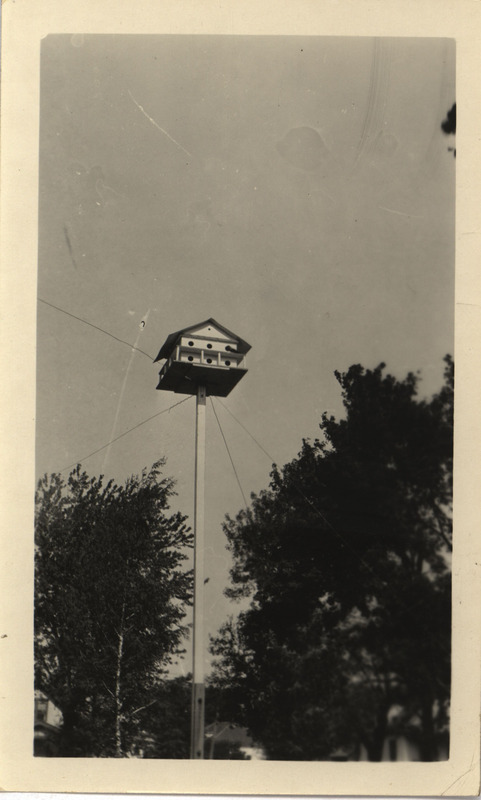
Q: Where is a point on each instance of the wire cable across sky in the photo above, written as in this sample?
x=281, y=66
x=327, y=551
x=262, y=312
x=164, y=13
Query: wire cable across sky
x=99, y=449
x=96, y=327
x=229, y=453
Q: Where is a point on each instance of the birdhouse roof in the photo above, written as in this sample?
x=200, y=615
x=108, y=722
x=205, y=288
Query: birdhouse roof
x=219, y=330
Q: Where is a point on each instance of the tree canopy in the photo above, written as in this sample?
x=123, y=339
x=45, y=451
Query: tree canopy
x=346, y=561
x=111, y=592
x=448, y=125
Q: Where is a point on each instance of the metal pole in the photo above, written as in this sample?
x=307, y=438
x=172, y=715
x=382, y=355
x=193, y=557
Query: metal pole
x=198, y=690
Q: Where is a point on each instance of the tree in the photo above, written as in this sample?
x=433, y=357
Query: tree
x=448, y=125
x=164, y=726
x=345, y=559
x=110, y=597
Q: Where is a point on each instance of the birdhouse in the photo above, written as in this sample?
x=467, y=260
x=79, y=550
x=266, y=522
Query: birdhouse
x=206, y=354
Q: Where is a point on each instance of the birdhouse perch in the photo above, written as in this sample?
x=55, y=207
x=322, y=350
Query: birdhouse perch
x=205, y=354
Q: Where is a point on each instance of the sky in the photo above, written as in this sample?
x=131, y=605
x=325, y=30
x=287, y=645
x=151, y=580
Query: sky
x=299, y=190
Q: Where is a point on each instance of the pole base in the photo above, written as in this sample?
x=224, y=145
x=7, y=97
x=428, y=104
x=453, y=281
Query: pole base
x=197, y=730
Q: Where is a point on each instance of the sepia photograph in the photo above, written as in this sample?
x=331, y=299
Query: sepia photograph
x=254, y=561
x=240, y=564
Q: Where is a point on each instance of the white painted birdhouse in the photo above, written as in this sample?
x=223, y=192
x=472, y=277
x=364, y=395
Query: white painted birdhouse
x=206, y=354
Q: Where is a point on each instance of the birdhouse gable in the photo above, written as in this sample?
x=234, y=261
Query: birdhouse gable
x=211, y=331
